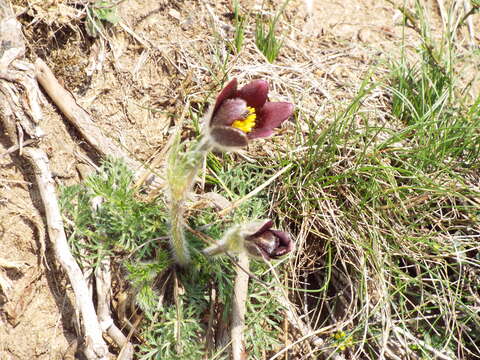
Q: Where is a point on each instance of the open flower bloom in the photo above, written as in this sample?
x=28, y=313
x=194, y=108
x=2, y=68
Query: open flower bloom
x=244, y=114
x=266, y=242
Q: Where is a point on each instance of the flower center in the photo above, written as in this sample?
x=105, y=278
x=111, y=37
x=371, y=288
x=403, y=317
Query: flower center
x=248, y=122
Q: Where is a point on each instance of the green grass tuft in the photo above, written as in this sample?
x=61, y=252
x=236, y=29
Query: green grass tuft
x=265, y=37
x=99, y=14
x=239, y=23
x=387, y=208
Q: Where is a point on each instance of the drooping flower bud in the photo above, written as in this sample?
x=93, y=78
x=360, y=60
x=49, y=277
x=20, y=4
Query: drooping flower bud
x=256, y=238
x=268, y=243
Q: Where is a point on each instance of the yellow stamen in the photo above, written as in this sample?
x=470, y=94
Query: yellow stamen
x=248, y=122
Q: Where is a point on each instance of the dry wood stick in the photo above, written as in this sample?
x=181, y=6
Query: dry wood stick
x=79, y=117
x=95, y=346
x=240, y=294
x=103, y=281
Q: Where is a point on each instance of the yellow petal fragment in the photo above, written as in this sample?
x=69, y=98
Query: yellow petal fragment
x=248, y=123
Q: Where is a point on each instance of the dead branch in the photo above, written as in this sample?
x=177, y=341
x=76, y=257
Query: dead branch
x=82, y=121
x=14, y=148
x=96, y=347
x=20, y=114
x=103, y=286
x=78, y=116
x=240, y=294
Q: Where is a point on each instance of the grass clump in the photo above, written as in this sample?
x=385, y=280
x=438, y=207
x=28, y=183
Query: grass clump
x=389, y=238
x=267, y=41
x=265, y=38
x=387, y=211
x=442, y=130
x=239, y=24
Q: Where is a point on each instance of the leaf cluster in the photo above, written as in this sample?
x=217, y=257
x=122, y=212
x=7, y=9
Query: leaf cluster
x=134, y=232
x=99, y=14
x=104, y=216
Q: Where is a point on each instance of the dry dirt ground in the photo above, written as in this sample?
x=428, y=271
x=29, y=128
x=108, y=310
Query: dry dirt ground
x=161, y=55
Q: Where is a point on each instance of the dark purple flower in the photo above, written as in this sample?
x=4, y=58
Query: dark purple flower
x=244, y=114
x=267, y=243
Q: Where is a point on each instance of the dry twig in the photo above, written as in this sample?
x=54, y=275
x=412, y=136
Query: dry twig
x=14, y=148
x=103, y=281
x=79, y=118
x=240, y=294
x=96, y=347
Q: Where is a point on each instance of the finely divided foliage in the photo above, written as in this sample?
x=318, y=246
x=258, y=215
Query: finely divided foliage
x=134, y=234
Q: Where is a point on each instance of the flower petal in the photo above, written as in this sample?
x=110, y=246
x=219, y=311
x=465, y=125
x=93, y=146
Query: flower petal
x=229, y=111
x=268, y=242
x=227, y=137
x=285, y=243
x=262, y=227
x=255, y=251
x=254, y=93
x=272, y=115
x=228, y=92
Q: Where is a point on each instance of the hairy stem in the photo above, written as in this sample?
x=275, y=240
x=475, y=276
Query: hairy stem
x=177, y=235
x=182, y=171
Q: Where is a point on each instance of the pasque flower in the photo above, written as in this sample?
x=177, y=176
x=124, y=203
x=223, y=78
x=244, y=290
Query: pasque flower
x=257, y=238
x=240, y=115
